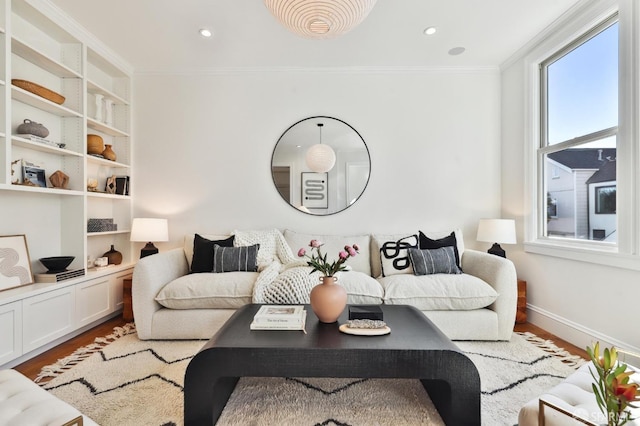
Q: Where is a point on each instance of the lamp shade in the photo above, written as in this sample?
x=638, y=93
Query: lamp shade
x=148, y=229
x=497, y=231
x=319, y=19
x=320, y=158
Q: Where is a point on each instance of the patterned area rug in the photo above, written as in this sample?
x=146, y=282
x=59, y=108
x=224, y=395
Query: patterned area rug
x=120, y=380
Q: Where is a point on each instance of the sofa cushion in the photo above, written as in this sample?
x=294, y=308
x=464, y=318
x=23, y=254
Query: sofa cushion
x=394, y=254
x=450, y=240
x=435, y=261
x=202, y=260
x=189, y=241
x=208, y=291
x=438, y=291
x=333, y=244
x=235, y=259
x=361, y=288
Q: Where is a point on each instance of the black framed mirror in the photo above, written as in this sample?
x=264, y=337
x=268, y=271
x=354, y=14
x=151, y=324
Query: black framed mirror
x=320, y=165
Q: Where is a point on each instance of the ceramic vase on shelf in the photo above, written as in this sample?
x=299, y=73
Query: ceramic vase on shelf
x=328, y=299
x=108, y=112
x=114, y=256
x=99, y=99
x=108, y=153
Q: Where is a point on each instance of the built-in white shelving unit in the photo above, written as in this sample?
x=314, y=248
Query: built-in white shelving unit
x=41, y=45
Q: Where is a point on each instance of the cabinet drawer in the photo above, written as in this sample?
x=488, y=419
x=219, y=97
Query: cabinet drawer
x=11, y=331
x=92, y=300
x=47, y=317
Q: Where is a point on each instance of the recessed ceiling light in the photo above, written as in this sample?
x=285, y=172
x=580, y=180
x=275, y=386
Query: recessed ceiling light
x=205, y=32
x=430, y=31
x=456, y=51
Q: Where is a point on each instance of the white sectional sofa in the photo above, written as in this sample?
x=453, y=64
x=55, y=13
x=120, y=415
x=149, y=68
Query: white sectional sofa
x=169, y=302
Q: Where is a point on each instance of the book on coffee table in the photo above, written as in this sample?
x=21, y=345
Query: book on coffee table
x=279, y=317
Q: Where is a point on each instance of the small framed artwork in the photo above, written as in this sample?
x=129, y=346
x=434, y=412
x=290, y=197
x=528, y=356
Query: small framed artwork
x=315, y=190
x=34, y=175
x=15, y=265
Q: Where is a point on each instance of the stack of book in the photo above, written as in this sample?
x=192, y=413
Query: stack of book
x=280, y=317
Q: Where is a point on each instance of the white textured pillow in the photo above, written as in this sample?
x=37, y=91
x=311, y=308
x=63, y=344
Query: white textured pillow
x=333, y=244
x=230, y=290
x=438, y=292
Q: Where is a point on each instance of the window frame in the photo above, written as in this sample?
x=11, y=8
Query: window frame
x=572, y=26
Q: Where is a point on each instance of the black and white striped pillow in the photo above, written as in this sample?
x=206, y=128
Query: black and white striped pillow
x=233, y=259
x=434, y=261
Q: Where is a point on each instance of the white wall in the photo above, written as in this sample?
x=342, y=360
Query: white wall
x=578, y=301
x=203, y=146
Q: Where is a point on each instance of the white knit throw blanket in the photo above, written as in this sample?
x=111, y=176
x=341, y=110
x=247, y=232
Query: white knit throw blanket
x=284, y=278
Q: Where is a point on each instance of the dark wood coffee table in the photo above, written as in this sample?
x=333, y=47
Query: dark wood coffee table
x=416, y=348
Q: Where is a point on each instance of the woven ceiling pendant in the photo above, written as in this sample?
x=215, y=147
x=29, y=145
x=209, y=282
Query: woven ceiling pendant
x=320, y=18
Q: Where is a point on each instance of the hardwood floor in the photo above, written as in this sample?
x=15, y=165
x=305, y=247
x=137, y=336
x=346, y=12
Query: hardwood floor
x=32, y=367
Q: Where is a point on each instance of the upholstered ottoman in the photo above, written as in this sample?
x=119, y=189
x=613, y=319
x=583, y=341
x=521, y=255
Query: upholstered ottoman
x=24, y=403
x=573, y=395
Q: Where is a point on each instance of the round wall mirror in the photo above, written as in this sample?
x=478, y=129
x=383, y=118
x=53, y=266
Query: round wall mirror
x=320, y=165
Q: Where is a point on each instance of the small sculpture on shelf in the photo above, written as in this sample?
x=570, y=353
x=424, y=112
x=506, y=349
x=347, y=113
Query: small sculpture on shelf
x=59, y=179
x=92, y=185
x=29, y=127
x=111, y=185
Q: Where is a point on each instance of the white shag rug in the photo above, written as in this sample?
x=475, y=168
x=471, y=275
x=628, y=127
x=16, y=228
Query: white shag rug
x=120, y=380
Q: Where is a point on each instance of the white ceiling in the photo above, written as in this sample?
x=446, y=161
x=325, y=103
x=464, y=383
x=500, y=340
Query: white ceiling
x=162, y=35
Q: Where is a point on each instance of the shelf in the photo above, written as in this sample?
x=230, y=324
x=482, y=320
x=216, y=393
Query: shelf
x=94, y=89
x=37, y=146
x=105, y=195
x=97, y=234
x=41, y=190
x=36, y=101
x=104, y=128
x=45, y=62
x=106, y=163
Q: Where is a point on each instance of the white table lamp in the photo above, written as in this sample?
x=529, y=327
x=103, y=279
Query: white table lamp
x=148, y=230
x=497, y=231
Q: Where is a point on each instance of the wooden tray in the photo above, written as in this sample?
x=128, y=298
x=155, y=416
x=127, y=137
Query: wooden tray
x=36, y=89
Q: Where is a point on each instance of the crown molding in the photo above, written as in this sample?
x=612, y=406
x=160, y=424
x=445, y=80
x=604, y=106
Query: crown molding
x=319, y=70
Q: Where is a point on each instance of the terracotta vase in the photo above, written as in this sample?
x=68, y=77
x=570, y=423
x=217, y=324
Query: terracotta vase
x=108, y=153
x=114, y=256
x=328, y=299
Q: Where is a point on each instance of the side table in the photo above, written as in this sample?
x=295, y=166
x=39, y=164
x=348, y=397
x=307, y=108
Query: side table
x=521, y=312
x=127, y=310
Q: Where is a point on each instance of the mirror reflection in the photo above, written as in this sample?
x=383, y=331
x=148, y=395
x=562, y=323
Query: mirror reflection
x=320, y=165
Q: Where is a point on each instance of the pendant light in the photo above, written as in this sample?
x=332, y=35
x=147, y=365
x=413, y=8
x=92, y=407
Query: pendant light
x=319, y=19
x=320, y=158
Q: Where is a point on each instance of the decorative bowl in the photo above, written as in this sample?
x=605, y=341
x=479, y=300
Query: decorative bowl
x=56, y=264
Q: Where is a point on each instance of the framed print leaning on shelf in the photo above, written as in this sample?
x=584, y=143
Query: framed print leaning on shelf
x=15, y=265
x=315, y=190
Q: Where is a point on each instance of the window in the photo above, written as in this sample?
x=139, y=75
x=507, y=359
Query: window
x=578, y=139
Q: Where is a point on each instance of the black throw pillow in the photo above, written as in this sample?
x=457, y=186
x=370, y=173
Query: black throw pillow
x=448, y=241
x=202, y=260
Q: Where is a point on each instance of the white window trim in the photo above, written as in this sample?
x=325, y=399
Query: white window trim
x=624, y=254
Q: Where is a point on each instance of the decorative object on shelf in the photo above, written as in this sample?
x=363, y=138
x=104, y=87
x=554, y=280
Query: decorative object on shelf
x=92, y=185
x=317, y=19
x=148, y=230
x=122, y=185
x=613, y=392
x=108, y=109
x=15, y=265
x=497, y=231
x=108, y=153
x=18, y=179
x=59, y=179
x=55, y=264
x=320, y=158
x=95, y=144
x=114, y=256
x=110, y=186
x=101, y=262
x=55, y=277
x=101, y=225
x=36, y=89
x=99, y=99
x=328, y=299
x=29, y=127
x=33, y=175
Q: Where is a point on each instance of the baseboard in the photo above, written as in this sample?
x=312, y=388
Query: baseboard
x=578, y=334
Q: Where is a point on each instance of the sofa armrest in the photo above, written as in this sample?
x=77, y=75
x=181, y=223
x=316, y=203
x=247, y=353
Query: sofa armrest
x=150, y=275
x=499, y=273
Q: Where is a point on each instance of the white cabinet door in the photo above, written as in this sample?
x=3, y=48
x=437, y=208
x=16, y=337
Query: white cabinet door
x=93, y=300
x=47, y=316
x=11, y=331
